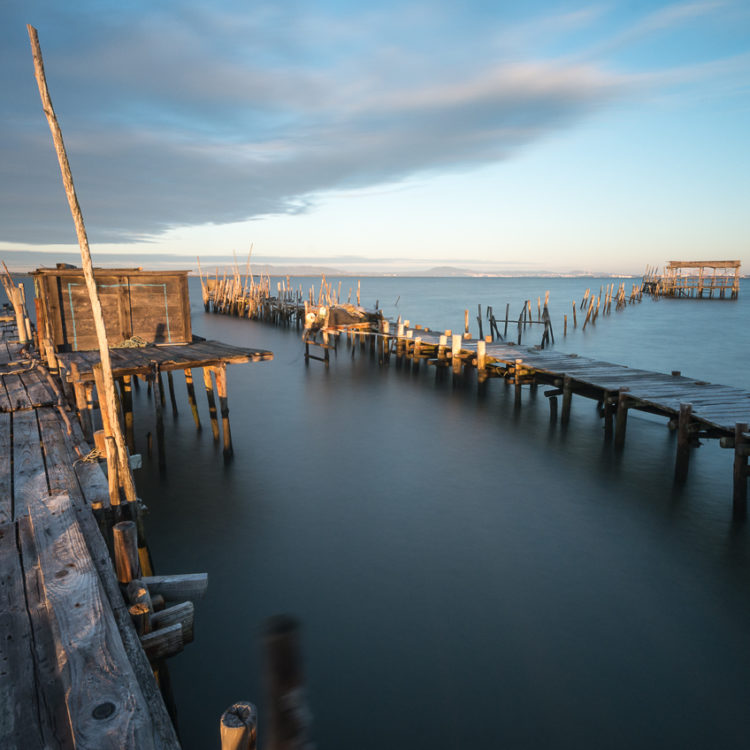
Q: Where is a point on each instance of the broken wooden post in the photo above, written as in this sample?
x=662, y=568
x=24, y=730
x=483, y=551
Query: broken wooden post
x=683, y=443
x=239, y=727
x=289, y=716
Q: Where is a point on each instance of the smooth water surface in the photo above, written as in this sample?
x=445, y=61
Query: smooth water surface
x=467, y=574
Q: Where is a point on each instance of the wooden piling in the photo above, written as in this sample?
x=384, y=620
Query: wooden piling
x=191, y=397
x=125, y=540
x=609, y=414
x=221, y=388
x=159, y=415
x=238, y=727
x=621, y=423
x=739, y=489
x=567, y=399
x=211, y=402
x=126, y=389
x=289, y=717
x=173, y=400
x=683, y=443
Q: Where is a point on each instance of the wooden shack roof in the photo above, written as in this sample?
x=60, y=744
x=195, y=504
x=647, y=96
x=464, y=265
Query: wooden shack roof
x=674, y=264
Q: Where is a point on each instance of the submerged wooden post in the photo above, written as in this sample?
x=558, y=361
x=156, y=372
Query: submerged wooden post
x=221, y=388
x=517, y=380
x=567, y=399
x=289, y=716
x=211, y=402
x=238, y=728
x=622, y=418
x=739, y=489
x=682, y=458
x=191, y=397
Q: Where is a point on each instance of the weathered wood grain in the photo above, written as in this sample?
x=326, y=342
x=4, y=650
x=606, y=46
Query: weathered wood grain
x=19, y=704
x=17, y=395
x=29, y=475
x=105, y=706
x=6, y=500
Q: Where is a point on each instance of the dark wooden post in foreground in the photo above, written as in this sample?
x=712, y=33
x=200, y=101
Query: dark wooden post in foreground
x=682, y=458
x=609, y=414
x=239, y=727
x=126, y=388
x=741, y=450
x=289, y=717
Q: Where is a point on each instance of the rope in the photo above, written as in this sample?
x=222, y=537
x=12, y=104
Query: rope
x=134, y=342
x=90, y=458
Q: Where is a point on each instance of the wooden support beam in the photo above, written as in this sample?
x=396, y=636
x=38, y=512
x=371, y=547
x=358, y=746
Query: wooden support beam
x=126, y=389
x=621, y=423
x=567, y=398
x=609, y=416
x=157, y=384
x=191, y=397
x=682, y=458
x=740, y=474
x=173, y=400
x=221, y=387
x=186, y=586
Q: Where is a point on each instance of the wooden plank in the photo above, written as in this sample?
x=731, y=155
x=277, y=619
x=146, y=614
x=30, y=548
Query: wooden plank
x=17, y=395
x=5, y=404
x=53, y=721
x=37, y=389
x=105, y=705
x=163, y=731
x=59, y=455
x=29, y=476
x=6, y=500
x=19, y=704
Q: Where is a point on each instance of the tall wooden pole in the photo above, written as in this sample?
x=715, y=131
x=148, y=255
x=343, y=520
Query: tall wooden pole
x=88, y=272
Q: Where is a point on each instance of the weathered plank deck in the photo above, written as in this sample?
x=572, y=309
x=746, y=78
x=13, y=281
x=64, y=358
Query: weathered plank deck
x=139, y=360
x=73, y=673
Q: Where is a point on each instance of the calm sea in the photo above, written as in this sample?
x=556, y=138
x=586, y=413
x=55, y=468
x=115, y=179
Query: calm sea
x=467, y=575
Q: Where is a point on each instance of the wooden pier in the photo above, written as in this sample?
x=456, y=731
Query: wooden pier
x=695, y=279
x=74, y=671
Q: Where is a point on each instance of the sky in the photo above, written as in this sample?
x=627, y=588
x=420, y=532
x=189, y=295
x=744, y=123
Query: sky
x=495, y=136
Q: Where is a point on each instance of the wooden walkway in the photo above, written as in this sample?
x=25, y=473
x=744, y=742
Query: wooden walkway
x=74, y=673
x=695, y=408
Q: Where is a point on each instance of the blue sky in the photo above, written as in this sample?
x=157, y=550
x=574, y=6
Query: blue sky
x=503, y=136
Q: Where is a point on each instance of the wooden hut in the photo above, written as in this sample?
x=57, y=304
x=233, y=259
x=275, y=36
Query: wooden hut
x=152, y=305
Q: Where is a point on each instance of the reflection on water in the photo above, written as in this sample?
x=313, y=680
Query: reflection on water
x=467, y=575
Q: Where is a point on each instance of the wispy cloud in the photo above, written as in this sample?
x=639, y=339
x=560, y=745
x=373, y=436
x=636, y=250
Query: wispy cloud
x=188, y=114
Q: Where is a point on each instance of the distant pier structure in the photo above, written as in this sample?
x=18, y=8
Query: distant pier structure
x=697, y=279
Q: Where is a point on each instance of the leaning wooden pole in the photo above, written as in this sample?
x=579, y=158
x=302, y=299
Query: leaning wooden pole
x=108, y=396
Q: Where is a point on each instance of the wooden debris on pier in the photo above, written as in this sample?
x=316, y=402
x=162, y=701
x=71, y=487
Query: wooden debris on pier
x=696, y=279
